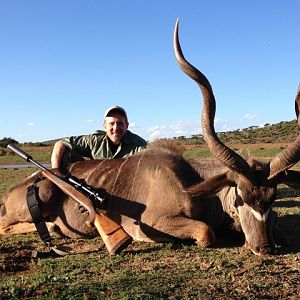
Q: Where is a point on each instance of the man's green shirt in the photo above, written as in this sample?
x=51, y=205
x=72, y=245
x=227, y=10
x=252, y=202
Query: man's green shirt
x=96, y=146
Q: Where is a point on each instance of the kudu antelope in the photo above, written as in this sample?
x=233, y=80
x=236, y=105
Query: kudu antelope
x=157, y=195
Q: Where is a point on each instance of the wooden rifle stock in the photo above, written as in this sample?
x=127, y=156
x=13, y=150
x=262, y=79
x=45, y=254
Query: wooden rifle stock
x=112, y=234
x=81, y=199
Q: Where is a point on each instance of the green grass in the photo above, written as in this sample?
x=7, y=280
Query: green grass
x=40, y=154
x=264, y=152
x=197, y=152
x=259, y=152
x=10, y=177
x=146, y=271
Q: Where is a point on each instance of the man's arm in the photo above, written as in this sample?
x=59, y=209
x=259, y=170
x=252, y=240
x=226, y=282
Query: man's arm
x=57, y=153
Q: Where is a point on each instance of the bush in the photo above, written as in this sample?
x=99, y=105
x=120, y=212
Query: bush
x=7, y=140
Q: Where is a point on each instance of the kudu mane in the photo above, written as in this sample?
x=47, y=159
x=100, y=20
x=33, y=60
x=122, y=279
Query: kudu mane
x=166, y=144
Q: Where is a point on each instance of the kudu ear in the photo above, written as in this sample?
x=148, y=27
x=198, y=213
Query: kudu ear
x=290, y=178
x=213, y=185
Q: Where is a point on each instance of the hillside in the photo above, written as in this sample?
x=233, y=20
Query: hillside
x=283, y=132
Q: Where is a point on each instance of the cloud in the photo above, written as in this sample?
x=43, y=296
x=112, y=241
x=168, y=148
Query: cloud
x=30, y=124
x=156, y=127
x=131, y=125
x=190, y=128
x=249, y=117
x=179, y=128
x=89, y=121
x=155, y=135
x=185, y=128
x=156, y=132
x=222, y=125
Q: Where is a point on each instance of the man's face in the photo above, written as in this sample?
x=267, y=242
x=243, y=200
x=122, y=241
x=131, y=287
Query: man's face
x=116, y=126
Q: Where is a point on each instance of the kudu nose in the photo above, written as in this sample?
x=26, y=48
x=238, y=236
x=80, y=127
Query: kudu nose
x=261, y=250
x=264, y=250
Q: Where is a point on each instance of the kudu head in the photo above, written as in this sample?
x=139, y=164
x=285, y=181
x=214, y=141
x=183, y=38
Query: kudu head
x=255, y=184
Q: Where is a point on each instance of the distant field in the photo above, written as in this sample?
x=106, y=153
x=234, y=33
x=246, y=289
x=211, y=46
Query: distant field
x=41, y=154
x=262, y=150
x=255, y=150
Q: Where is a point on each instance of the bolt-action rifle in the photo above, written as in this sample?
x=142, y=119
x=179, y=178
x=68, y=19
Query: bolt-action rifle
x=112, y=234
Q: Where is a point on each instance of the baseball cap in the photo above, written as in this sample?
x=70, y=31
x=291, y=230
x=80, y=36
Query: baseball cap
x=118, y=109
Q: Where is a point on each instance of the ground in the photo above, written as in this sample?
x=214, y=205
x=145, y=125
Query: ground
x=151, y=271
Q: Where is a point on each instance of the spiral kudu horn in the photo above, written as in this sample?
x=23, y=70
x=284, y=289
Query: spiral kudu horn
x=227, y=156
x=291, y=155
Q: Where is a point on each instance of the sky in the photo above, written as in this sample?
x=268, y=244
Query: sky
x=63, y=62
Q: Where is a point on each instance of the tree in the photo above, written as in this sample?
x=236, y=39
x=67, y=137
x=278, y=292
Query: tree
x=7, y=140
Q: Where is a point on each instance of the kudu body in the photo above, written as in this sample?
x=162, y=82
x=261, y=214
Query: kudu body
x=157, y=195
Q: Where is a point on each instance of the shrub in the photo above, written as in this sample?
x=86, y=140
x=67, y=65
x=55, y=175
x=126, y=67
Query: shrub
x=7, y=140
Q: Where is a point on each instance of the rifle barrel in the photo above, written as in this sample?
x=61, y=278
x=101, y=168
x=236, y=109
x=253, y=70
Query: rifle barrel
x=71, y=179
x=25, y=155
